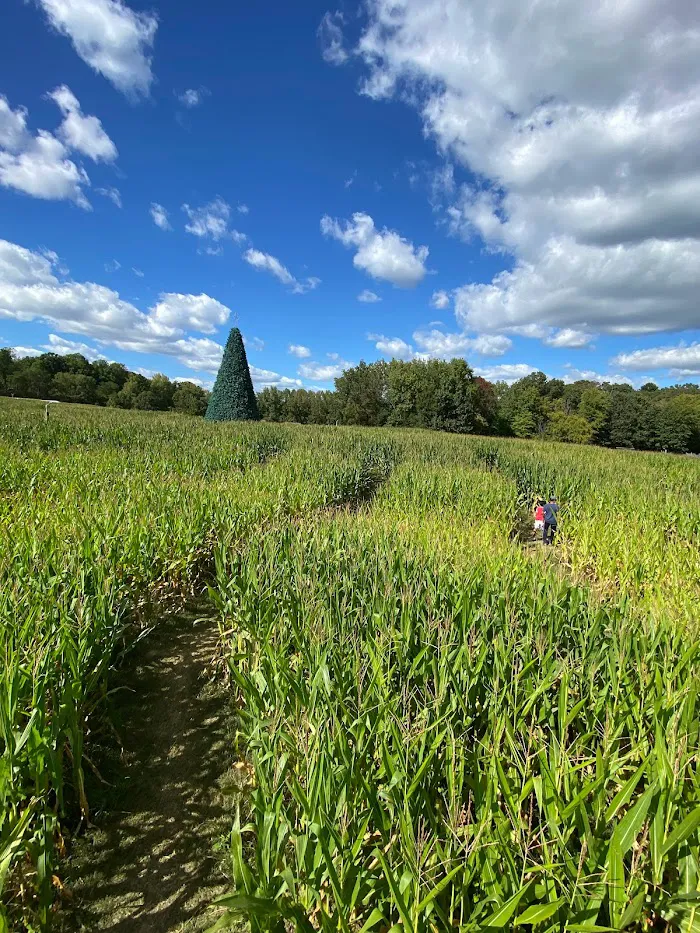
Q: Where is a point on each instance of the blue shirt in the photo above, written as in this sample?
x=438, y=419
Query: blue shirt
x=550, y=513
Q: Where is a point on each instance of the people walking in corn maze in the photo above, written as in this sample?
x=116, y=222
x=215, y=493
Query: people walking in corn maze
x=549, y=530
x=539, y=516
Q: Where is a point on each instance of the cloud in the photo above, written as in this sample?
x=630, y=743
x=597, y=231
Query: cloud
x=40, y=165
x=267, y=263
x=330, y=35
x=110, y=37
x=20, y=266
x=440, y=300
x=567, y=337
x=21, y=352
x=392, y=347
x=264, y=377
x=113, y=194
x=643, y=288
x=255, y=343
x=383, y=255
x=175, y=312
x=348, y=183
x=588, y=375
x=681, y=360
x=138, y=272
x=207, y=384
x=30, y=290
x=13, y=126
x=438, y=345
x=63, y=347
x=368, y=297
x=324, y=372
x=210, y=220
x=113, y=265
x=160, y=216
x=584, y=151
x=243, y=209
x=79, y=132
x=505, y=372
x=296, y=349
x=192, y=97
x=43, y=170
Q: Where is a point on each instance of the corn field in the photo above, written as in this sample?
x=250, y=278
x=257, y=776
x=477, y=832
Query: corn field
x=440, y=726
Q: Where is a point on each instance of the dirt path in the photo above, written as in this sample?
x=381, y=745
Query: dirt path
x=149, y=865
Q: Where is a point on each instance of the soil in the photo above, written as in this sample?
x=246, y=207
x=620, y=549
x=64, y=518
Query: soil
x=150, y=862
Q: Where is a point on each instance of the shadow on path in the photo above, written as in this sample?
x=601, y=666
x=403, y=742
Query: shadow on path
x=149, y=863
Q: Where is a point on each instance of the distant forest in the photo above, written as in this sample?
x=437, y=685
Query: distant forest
x=72, y=378
x=449, y=397
x=442, y=396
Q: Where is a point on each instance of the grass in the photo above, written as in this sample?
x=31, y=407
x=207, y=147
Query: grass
x=441, y=729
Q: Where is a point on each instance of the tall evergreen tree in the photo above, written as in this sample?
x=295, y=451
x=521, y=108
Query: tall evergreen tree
x=233, y=398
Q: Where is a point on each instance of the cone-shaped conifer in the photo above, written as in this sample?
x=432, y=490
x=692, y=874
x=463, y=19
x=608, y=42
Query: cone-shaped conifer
x=233, y=398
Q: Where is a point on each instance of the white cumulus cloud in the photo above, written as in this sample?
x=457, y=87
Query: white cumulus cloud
x=110, y=37
x=323, y=372
x=31, y=290
x=589, y=375
x=63, y=347
x=211, y=220
x=567, y=337
x=39, y=165
x=585, y=150
x=43, y=170
x=80, y=132
x=301, y=352
x=681, y=360
x=440, y=345
x=383, y=254
x=262, y=378
x=505, y=372
x=368, y=297
x=440, y=300
x=392, y=347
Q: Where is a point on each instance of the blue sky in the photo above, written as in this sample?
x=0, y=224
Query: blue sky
x=517, y=185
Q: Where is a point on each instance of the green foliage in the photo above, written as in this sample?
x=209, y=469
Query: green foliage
x=189, y=399
x=442, y=729
x=594, y=406
x=571, y=429
x=233, y=398
x=362, y=394
x=445, y=733
x=72, y=378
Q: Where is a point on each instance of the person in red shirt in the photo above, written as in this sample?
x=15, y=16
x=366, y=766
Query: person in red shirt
x=539, y=516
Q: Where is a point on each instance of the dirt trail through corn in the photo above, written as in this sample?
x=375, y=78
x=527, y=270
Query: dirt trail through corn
x=149, y=864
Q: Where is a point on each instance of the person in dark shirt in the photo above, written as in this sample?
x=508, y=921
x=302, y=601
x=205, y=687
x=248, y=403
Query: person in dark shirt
x=550, y=521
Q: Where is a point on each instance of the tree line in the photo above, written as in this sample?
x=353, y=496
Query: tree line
x=447, y=396
x=442, y=396
x=72, y=378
